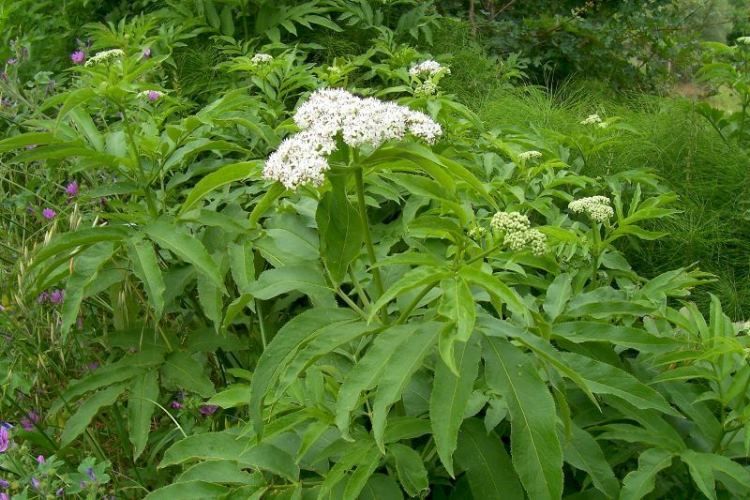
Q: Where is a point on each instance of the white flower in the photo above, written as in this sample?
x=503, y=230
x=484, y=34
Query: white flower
x=330, y=113
x=426, y=88
x=745, y=40
x=104, y=56
x=261, y=58
x=596, y=207
x=528, y=155
x=428, y=67
x=592, y=119
x=518, y=232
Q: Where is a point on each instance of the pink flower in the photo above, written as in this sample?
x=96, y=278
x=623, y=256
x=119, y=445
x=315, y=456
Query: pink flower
x=4, y=496
x=30, y=420
x=176, y=405
x=78, y=57
x=71, y=189
x=40, y=459
x=48, y=213
x=153, y=95
x=4, y=439
x=56, y=296
x=208, y=409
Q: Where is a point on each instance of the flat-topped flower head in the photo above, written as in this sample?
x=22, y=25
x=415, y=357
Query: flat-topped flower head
x=743, y=40
x=594, y=119
x=597, y=208
x=528, y=155
x=105, y=56
x=332, y=113
x=261, y=58
x=428, y=68
x=518, y=234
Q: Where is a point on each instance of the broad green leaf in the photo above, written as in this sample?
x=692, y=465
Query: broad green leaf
x=584, y=453
x=703, y=468
x=536, y=450
x=496, y=287
x=558, y=295
x=417, y=277
x=361, y=453
x=274, y=282
x=185, y=372
x=228, y=446
x=340, y=229
x=81, y=419
x=225, y=175
x=396, y=375
x=457, y=303
x=188, y=490
x=28, y=139
x=365, y=374
x=361, y=475
x=627, y=336
x=211, y=302
x=143, y=392
x=86, y=267
x=284, y=346
x=487, y=464
x=380, y=487
x=76, y=239
x=241, y=264
x=146, y=267
x=233, y=396
x=410, y=469
x=220, y=471
x=603, y=378
x=176, y=239
x=450, y=395
x=266, y=202
x=639, y=483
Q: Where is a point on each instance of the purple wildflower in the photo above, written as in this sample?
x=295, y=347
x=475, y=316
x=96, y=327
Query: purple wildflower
x=60, y=492
x=208, y=409
x=42, y=298
x=30, y=420
x=78, y=57
x=4, y=483
x=4, y=496
x=71, y=189
x=12, y=61
x=153, y=95
x=35, y=483
x=40, y=459
x=4, y=439
x=57, y=296
x=176, y=405
x=90, y=474
x=147, y=52
x=48, y=213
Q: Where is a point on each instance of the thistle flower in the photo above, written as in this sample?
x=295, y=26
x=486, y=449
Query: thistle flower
x=30, y=420
x=48, y=213
x=56, y=296
x=4, y=439
x=518, y=234
x=328, y=113
x=428, y=67
x=4, y=483
x=261, y=58
x=595, y=207
x=176, y=405
x=105, y=56
x=71, y=189
x=592, y=119
x=78, y=57
x=40, y=459
x=206, y=410
x=151, y=95
x=528, y=155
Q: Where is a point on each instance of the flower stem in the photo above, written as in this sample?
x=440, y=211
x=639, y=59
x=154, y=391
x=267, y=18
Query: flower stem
x=366, y=228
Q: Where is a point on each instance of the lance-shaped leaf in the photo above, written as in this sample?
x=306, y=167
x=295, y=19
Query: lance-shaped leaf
x=340, y=229
x=78, y=422
x=225, y=175
x=640, y=482
x=144, y=392
x=449, y=398
x=584, y=453
x=146, y=268
x=536, y=450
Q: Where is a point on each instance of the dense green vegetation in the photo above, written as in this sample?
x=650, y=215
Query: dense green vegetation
x=358, y=249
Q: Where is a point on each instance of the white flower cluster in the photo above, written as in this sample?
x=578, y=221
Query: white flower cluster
x=528, y=155
x=261, y=58
x=518, y=232
x=596, y=207
x=301, y=158
x=594, y=119
x=428, y=67
x=103, y=56
x=744, y=40
x=426, y=88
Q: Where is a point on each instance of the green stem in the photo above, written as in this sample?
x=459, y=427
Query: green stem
x=414, y=303
x=137, y=158
x=484, y=254
x=366, y=227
